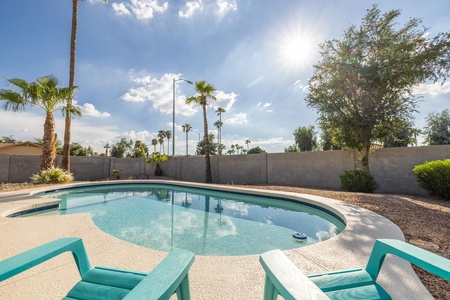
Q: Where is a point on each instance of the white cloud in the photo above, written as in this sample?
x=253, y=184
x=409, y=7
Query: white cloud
x=300, y=86
x=238, y=119
x=140, y=135
x=264, y=106
x=142, y=9
x=89, y=110
x=436, y=89
x=225, y=6
x=159, y=91
x=224, y=100
x=120, y=9
x=191, y=8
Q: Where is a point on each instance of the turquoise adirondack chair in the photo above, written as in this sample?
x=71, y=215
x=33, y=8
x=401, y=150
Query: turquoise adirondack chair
x=168, y=277
x=285, y=279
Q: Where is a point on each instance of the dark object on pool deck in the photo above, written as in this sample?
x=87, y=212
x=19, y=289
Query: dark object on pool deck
x=158, y=170
x=285, y=279
x=299, y=237
x=170, y=276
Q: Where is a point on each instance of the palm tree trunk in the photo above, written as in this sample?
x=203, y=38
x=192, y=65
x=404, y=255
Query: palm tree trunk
x=73, y=43
x=49, y=128
x=187, y=153
x=208, y=175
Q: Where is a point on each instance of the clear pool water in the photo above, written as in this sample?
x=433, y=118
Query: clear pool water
x=207, y=222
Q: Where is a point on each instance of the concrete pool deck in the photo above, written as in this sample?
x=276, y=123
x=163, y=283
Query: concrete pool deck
x=211, y=277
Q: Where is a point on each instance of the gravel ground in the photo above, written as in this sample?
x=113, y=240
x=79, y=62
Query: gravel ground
x=425, y=221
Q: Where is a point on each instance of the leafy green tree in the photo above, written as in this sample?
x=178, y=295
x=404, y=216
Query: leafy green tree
x=293, y=148
x=255, y=150
x=46, y=94
x=186, y=128
x=305, y=138
x=212, y=146
x=327, y=142
x=140, y=150
x=437, y=129
x=204, y=91
x=401, y=137
x=77, y=149
x=122, y=148
x=362, y=87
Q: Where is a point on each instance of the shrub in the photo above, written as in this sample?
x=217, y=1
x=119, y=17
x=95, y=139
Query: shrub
x=52, y=175
x=434, y=176
x=358, y=181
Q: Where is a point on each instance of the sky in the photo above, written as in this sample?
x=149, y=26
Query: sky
x=258, y=54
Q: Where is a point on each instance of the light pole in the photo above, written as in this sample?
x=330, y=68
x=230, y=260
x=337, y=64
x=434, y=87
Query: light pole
x=173, y=112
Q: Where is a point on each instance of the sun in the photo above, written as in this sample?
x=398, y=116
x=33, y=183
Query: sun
x=297, y=47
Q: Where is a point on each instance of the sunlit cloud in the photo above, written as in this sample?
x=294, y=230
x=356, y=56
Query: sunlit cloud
x=89, y=110
x=225, y=6
x=436, y=89
x=237, y=119
x=141, y=9
x=264, y=106
x=140, y=135
x=191, y=8
x=159, y=91
x=300, y=86
x=224, y=100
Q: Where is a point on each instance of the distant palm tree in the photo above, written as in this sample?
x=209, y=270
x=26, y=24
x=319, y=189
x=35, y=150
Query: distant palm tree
x=154, y=143
x=247, y=142
x=73, y=46
x=161, y=135
x=186, y=128
x=168, y=137
x=160, y=141
x=206, y=91
x=43, y=93
x=219, y=112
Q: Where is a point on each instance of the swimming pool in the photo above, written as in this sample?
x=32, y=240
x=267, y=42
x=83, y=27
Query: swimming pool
x=205, y=221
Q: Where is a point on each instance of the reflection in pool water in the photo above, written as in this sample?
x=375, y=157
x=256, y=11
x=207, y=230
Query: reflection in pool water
x=207, y=222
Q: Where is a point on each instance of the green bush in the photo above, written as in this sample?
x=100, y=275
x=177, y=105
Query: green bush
x=434, y=176
x=358, y=181
x=52, y=175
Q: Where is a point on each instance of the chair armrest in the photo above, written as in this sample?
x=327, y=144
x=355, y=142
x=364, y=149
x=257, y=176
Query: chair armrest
x=168, y=277
x=422, y=258
x=285, y=279
x=31, y=258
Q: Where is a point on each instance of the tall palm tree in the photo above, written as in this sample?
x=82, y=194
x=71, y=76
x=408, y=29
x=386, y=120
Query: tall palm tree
x=46, y=94
x=154, y=143
x=73, y=46
x=247, y=142
x=168, y=137
x=186, y=128
x=205, y=91
x=219, y=112
x=161, y=136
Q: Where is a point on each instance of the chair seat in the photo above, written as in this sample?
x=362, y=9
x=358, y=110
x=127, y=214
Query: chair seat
x=105, y=283
x=351, y=284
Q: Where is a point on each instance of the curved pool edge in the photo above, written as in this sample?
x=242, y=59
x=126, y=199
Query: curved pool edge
x=350, y=249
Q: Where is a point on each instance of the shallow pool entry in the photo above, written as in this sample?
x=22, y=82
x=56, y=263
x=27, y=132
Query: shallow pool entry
x=207, y=222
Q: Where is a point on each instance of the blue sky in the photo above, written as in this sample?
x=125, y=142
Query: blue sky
x=258, y=54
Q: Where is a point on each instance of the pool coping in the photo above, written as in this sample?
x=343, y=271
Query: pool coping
x=211, y=277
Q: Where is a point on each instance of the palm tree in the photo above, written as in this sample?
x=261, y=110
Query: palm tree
x=161, y=135
x=168, y=137
x=247, y=142
x=186, y=128
x=43, y=93
x=206, y=91
x=219, y=112
x=73, y=45
x=154, y=143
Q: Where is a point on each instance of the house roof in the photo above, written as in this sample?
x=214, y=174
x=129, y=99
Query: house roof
x=23, y=144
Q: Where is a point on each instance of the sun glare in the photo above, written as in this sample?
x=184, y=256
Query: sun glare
x=297, y=46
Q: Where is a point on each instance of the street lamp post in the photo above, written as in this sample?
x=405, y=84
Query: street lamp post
x=173, y=112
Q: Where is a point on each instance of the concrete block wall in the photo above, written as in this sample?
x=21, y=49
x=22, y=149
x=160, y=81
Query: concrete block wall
x=391, y=167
